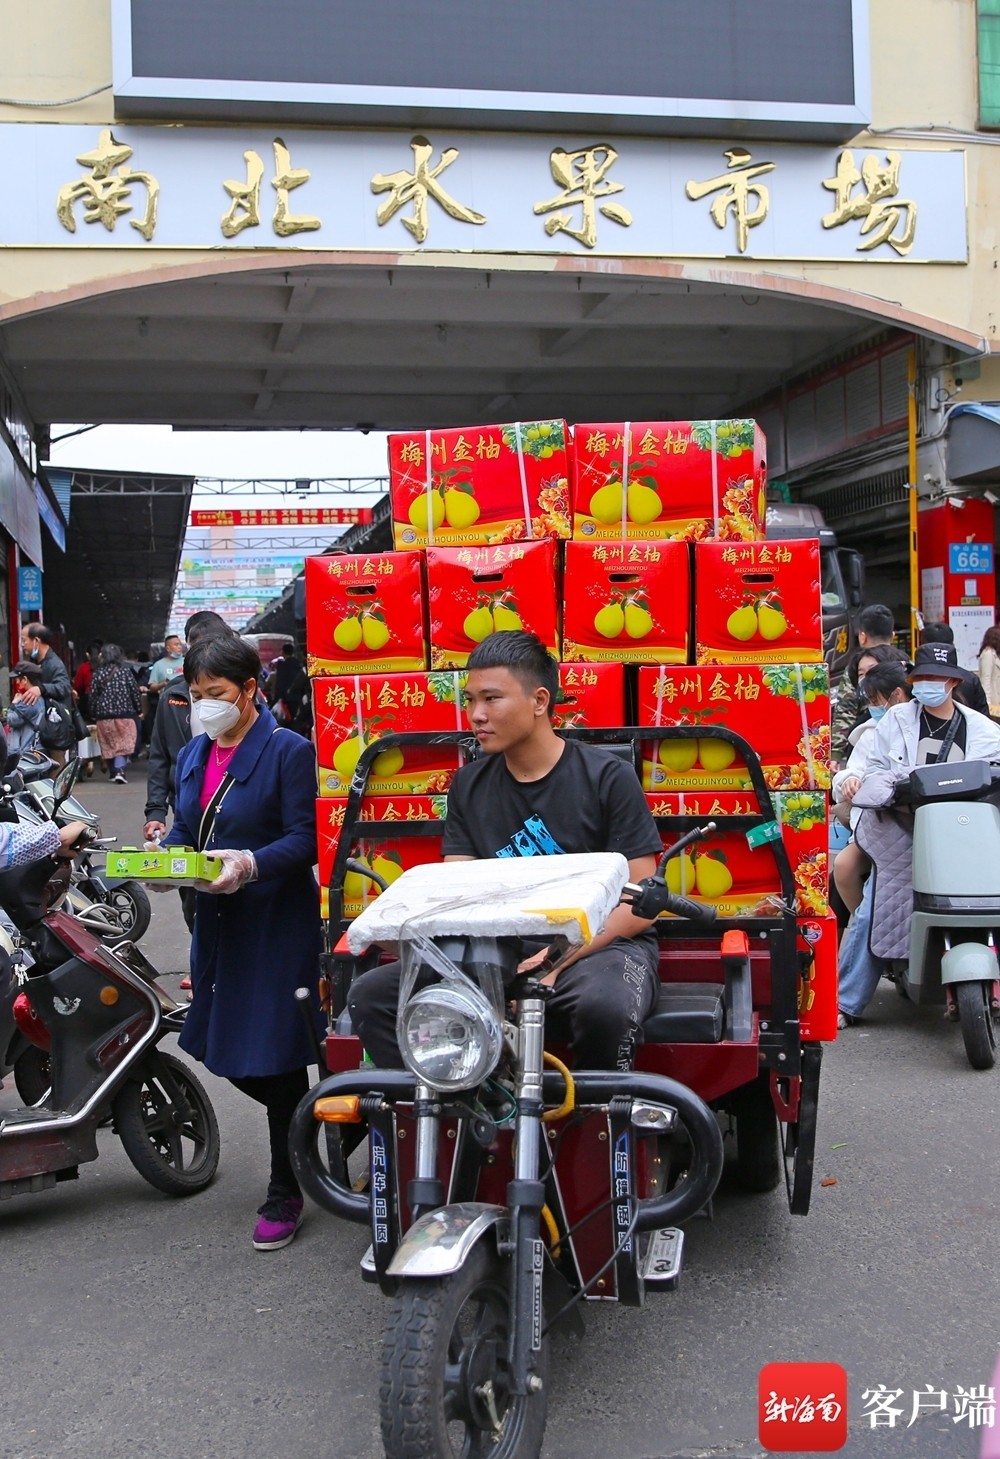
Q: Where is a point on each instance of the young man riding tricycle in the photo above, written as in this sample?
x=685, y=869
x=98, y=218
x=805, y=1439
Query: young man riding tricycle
x=503, y=1185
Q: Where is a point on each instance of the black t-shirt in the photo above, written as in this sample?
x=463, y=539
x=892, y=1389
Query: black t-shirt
x=933, y=733
x=591, y=800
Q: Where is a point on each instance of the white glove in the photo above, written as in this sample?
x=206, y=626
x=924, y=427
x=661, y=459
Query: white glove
x=238, y=867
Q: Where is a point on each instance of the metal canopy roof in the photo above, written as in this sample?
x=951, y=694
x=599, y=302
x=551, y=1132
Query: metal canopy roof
x=341, y=346
x=123, y=547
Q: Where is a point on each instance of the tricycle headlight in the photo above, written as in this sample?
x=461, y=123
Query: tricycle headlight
x=449, y=1039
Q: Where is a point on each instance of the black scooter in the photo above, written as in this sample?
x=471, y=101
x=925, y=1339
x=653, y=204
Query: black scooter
x=97, y=1014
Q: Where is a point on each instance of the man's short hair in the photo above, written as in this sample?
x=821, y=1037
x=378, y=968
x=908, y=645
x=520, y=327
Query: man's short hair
x=40, y=632
x=203, y=623
x=877, y=621
x=937, y=633
x=525, y=655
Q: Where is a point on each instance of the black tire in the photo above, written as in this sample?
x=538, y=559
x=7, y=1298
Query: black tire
x=130, y=900
x=758, y=1149
x=445, y=1337
x=976, y=1019
x=178, y=1154
x=33, y=1074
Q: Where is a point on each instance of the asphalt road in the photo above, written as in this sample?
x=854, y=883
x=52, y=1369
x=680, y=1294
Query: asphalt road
x=139, y=1327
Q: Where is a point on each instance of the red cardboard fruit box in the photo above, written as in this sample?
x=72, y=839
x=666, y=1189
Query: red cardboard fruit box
x=365, y=614
x=758, y=602
x=627, y=602
x=783, y=710
x=818, y=988
x=475, y=591
x=355, y=709
x=688, y=479
x=389, y=856
x=480, y=485
x=591, y=696
x=740, y=880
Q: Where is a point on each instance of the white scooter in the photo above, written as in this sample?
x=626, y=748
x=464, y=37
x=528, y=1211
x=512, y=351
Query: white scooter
x=955, y=925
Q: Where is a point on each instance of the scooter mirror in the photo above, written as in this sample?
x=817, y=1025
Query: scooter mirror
x=11, y=784
x=65, y=781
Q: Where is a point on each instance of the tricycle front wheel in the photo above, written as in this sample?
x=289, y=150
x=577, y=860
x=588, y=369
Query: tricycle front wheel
x=445, y=1391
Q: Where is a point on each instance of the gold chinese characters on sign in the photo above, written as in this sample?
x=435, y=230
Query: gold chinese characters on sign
x=867, y=193
x=736, y=187
x=583, y=178
x=888, y=218
x=245, y=209
x=416, y=187
x=106, y=194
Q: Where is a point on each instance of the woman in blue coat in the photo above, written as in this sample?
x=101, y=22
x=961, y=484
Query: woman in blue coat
x=245, y=793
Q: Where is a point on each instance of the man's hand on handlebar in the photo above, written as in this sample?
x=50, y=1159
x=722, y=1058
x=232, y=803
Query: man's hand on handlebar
x=71, y=838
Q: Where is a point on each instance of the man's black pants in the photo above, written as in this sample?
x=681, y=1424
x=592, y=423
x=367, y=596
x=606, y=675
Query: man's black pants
x=598, y=1005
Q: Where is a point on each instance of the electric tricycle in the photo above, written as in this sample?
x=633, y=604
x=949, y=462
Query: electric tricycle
x=502, y=1186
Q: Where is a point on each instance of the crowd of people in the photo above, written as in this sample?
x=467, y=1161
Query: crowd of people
x=892, y=716
x=232, y=772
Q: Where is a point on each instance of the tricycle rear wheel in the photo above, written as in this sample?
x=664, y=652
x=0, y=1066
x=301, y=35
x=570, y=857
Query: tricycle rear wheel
x=446, y=1340
x=758, y=1151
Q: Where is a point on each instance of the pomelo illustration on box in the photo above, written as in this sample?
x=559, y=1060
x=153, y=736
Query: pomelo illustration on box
x=591, y=696
x=740, y=880
x=389, y=856
x=475, y=591
x=783, y=710
x=669, y=479
x=480, y=485
x=365, y=612
x=626, y=602
x=758, y=602
x=353, y=711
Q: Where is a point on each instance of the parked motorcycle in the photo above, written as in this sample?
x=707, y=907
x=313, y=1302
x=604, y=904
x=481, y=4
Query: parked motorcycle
x=126, y=903
x=955, y=926
x=97, y=1013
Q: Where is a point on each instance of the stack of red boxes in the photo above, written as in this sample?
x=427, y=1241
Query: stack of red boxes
x=477, y=518
x=626, y=544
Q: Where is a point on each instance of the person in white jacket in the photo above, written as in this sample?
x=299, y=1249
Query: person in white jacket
x=910, y=735
x=882, y=686
x=989, y=668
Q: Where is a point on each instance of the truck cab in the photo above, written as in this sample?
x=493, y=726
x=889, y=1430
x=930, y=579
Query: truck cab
x=842, y=577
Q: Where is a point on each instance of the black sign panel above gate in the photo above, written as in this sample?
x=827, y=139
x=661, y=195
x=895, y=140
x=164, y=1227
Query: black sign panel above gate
x=698, y=67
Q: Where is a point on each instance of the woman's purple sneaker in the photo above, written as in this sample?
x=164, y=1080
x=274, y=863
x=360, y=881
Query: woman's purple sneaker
x=279, y=1221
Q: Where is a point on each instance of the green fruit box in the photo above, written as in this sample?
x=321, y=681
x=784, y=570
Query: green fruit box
x=365, y=613
x=626, y=602
x=660, y=479
x=181, y=864
x=740, y=880
x=782, y=710
x=386, y=854
x=480, y=485
x=475, y=591
x=353, y=710
x=758, y=603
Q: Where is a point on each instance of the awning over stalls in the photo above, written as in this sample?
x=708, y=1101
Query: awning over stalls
x=123, y=547
x=974, y=444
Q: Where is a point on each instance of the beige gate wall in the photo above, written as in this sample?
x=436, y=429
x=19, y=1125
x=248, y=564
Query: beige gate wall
x=924, y=85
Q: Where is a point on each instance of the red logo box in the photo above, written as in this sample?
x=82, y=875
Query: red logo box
x=802, y=1408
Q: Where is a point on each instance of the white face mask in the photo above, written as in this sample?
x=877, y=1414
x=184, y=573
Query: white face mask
x=214, y=717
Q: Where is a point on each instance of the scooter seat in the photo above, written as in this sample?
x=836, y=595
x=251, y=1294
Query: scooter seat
x=686, y=1013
